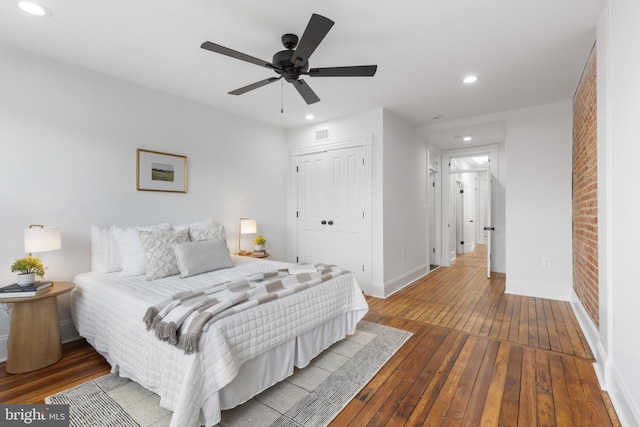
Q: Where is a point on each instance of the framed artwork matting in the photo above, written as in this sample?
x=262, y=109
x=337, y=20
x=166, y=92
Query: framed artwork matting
x=158, y=171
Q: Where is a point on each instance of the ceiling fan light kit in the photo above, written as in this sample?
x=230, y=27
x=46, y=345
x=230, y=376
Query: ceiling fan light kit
x=293, y=62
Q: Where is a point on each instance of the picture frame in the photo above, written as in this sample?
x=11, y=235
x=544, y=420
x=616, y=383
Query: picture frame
x=157, y=171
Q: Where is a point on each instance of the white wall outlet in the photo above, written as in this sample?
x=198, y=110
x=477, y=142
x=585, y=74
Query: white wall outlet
x=546, y=263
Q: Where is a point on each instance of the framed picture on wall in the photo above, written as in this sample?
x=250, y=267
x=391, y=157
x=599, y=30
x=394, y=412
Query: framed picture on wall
x=158, y=171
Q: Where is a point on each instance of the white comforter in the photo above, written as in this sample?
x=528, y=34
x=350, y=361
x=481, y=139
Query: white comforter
x=108, y=310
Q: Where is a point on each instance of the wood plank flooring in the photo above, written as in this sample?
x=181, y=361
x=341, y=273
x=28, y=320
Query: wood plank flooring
x=480, y=357
x=477, y=357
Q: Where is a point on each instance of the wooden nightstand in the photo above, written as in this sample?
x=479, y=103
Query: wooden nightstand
x=34, y=336
x=251, y=255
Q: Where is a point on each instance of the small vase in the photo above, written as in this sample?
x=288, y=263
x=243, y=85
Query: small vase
x=26, y=279
x=258, y=247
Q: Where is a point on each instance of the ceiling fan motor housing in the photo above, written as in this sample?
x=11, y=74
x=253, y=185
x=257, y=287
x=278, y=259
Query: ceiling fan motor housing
x=290, y=41
x=282, y=60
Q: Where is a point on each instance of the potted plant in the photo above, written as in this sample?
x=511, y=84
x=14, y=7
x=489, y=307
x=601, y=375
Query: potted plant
x=259, y=242
x=28, y=268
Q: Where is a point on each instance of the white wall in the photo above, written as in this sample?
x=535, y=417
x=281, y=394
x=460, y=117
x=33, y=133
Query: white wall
x=405, y=204
x=69, y=139
x=618, y=151
x=538, y=201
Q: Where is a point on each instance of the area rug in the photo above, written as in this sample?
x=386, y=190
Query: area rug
x=312, y=396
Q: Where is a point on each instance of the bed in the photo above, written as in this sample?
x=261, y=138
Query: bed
x=238, y=355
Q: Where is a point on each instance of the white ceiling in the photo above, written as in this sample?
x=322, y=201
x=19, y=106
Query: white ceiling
x=525, y=52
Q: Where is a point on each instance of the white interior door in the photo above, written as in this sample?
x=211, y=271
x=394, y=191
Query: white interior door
x=331, y=200
x=431, y=216
x=481, y=208
x=488, y=227
x=313, y=206
x=460, y=217
x=469, y=214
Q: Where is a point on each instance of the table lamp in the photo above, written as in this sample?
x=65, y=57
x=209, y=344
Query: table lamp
x=38, y=238
x=247, y=226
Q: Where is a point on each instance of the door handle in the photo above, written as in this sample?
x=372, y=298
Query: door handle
x=489, y=228
x=330, y=222
x=323, y=222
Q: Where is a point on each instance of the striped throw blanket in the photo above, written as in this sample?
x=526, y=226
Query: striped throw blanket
x=181, y=319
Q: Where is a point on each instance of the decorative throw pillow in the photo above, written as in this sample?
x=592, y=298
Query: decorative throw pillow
x=202, y=256
x=105, y=257
x=196, y=234
x=130, y=247
x=159, y=252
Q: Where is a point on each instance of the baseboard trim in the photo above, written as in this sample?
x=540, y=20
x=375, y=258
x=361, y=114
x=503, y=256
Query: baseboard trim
x=517, y=287
x=626, y=409
x=394, y=285
x=606, y=372
x=592, y=334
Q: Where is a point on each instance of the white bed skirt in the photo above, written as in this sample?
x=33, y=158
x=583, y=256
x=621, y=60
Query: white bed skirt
x=277, y=364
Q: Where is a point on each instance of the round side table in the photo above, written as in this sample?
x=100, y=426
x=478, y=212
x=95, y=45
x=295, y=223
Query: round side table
x=34, y=334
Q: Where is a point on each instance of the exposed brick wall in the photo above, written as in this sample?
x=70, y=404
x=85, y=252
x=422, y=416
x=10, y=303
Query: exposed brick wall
x=585, y=191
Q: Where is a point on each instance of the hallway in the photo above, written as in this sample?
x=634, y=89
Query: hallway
x=480, y=357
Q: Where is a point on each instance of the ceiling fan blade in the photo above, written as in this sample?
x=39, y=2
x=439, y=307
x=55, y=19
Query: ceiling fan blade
x=253, y=86
x=306, y=92
x=354, y=71
x=316, y=30
x=237, y=55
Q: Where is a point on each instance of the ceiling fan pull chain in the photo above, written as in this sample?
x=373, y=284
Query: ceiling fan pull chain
x=281, y=96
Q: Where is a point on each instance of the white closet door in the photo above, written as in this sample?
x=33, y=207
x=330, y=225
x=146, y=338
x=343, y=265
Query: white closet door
x=331, y=199
x=313, y=208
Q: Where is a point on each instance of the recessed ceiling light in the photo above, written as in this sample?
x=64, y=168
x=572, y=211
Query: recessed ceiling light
x=34, y=8
x=467, y=138
x=470, y=79
x=309, y=117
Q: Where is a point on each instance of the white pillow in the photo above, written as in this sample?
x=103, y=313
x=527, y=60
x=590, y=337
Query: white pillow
x=130, y=247
x=105, y=257
x=207, y=223
x=159, y=252
x=202, y=256
x=196, y=234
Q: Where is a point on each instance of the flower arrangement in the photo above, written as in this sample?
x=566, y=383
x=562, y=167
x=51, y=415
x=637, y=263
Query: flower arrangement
x=259, y=240
x=28, y=265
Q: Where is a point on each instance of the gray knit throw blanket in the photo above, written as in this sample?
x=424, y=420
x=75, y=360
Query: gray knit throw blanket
x=181, y=319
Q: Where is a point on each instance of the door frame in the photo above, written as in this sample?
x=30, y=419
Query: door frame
x=447, y=155
x=366, y=143
x=434, y=207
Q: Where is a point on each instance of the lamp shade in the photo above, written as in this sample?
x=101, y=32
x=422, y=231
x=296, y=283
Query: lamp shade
x=38, y=238
x=248, y=226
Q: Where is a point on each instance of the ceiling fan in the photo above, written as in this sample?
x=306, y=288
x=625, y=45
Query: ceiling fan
x=290, y=64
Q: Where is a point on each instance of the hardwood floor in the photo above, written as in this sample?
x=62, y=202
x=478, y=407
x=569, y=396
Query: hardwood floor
x=477, y=357
x=480, y=357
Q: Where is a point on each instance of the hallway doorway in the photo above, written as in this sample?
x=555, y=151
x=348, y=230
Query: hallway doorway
x=467, y=202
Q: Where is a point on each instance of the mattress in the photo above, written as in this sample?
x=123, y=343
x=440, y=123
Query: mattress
x=108, y=308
